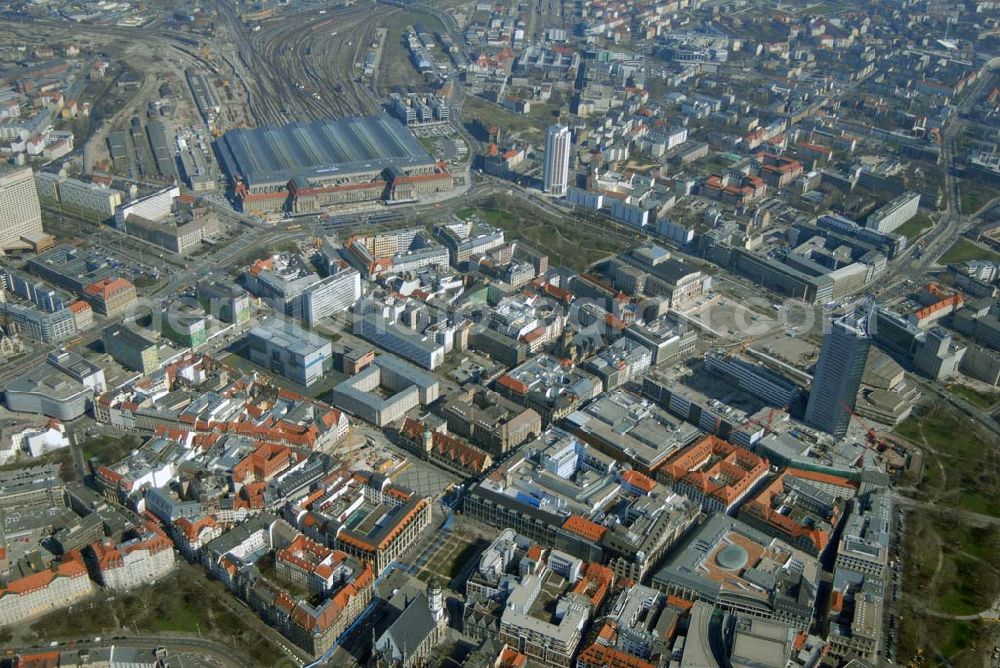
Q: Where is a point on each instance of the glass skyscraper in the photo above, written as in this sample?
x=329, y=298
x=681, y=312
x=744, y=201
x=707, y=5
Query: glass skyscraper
x=838, y=373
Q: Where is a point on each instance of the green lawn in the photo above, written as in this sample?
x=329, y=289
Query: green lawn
x=960, y=637
x=975, y=195
x=492, y=216
x=567, y=244
x=914, y=227
x=967, y=451
x=493, y=115
x=982, y=400
x=964, y=588
x=950, y=567
x=964, y=249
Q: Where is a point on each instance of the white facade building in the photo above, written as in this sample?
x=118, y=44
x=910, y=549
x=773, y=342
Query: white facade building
x=558, y=144
x=135, y=563
x=155, y=207
x=20, y=211
x=43, y=592
x=88, y=197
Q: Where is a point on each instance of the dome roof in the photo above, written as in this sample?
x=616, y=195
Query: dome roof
x=731, y=557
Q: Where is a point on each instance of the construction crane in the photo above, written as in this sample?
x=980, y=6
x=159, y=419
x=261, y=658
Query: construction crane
x=871, y=435
x=770, y=419
x=873, y=441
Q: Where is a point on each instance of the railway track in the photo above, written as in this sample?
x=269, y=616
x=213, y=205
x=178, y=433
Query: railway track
x=265, y=87
x=319, y=55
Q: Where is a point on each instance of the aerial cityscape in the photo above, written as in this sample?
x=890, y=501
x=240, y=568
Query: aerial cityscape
x=512, y=334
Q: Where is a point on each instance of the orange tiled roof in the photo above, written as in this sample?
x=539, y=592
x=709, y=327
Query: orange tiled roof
x=106, y=287
x=511, y=658
x=582, y=526
x=717, y=468
x=636, y=479
x=610, y=657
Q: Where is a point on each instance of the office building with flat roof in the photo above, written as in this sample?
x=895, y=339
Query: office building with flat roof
x=887, y=218
x=35, y=323
x=181, y=229
x=865, y=541
x=395, y=252
x=562, y=493
x=399, y=340
x=185, y=324
x=20, y=211
x=468, y=238
x=631, y=429
x=291, y=287
x=284, y=348
x=384, y=392
x=93, y=200
x=666, y=337
x=622, y=362
x=72, y=268
x=755, y=379
x=131, y=349
x=551, y=387
x=333, y=294
x=708, y=413
x=62, y=387
x=726, y=563
x=35, y=291
x=224, y=300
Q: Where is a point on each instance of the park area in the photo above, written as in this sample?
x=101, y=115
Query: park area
x=961, y=460
x=950, y=571
x=574, y=243
x=185, y=602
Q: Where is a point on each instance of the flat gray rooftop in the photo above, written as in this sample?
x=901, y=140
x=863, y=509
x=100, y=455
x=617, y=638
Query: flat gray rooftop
x=287, y=335
x=318, y=149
